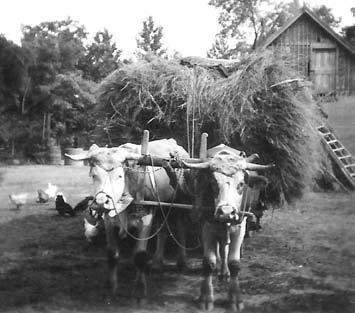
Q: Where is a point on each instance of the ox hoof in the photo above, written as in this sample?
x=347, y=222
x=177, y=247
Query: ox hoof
x=158, y=265
x=206, y=306
x=182, y=266
x=205, y=303
x=224, y=276
x=139, y=302
x=236, y=307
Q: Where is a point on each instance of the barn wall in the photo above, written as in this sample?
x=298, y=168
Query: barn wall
x=298, y=40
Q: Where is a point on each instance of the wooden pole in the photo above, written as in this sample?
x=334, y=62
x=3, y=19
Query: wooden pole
x=203, y=146
x=141, y=173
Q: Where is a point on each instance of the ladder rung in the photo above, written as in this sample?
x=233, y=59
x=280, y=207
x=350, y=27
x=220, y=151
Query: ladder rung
x=344, y=157
x=332, y=141
x=349, y=165
x=326, y=134
x=338, y=149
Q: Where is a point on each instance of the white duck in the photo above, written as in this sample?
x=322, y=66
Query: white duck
x=51, y=191
x=19, y=199
x=91, y=231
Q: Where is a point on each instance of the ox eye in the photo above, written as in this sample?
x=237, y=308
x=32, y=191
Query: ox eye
x=240, y=185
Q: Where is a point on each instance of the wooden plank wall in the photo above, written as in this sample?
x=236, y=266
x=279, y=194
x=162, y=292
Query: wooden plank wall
x=297, y=41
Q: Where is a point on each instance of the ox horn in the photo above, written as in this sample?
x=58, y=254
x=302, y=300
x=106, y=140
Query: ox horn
x=257, y=167
x=201, y=165
x=78, y=157
x=84, y=156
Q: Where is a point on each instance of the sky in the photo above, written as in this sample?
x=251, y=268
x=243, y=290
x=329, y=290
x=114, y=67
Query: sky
x=189, y=26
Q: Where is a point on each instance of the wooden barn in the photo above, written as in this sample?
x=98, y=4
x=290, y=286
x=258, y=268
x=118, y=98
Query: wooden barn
x=318, y=53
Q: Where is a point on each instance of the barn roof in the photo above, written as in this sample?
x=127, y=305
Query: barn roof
x=306, y=11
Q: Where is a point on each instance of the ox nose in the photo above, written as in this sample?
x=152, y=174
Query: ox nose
x=226, y=213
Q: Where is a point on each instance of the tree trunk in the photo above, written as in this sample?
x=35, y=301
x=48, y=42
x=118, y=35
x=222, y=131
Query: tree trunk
x=49, y=116
x=24, y=97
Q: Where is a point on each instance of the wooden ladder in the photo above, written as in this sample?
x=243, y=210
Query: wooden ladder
x=341, y=156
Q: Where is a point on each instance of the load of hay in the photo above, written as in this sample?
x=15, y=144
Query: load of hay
x=252, y=105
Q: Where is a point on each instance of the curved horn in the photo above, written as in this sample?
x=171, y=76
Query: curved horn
x=78, y=157
x=201, y=165
x=257, y=167
x=84, y=156
x=252, y=158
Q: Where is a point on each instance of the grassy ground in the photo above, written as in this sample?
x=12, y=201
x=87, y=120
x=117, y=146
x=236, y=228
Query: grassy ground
x=303, y=260
x=341, y=117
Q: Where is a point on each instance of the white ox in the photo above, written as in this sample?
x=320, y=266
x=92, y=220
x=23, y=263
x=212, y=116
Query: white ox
x=220, y=186
x=115, y=183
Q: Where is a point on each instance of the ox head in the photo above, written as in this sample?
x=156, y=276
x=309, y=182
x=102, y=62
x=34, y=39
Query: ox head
x=107, y=173
x=224, y=178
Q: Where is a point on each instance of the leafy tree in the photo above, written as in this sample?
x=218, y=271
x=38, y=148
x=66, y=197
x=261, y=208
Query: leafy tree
x=57, y=91
x=149, y=41
x=73, y=100
x=238, y=15
x=262, y=17
x=223, y=49
x=101, y=58
x=13, y=82
x=13, y=72
x=326, y=15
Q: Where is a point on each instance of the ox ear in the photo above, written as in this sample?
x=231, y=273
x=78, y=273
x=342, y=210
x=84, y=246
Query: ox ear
x=257, y=181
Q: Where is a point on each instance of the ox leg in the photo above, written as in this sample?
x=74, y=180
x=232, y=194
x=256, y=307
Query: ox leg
x=209, y=265
x=237, y=234
x=223, y=251
x=141, y=258
x=158, y=259
x=112, y=252
x=181, y=230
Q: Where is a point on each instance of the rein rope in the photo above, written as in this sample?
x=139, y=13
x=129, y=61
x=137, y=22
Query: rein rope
x=167, y=215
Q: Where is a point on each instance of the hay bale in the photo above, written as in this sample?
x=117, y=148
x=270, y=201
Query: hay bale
x=240, y=109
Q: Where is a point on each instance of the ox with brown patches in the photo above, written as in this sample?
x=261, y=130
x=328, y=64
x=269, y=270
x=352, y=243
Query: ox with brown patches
x=220, y=184
x=115, y=186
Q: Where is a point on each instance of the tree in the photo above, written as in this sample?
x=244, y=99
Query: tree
x=326, y=15
x=149, y=41
x=13, y=78
x=101, y=58
x=349, y=31
x=262, y=17
x=223, y=49
x=258, y=15
x=55, y=49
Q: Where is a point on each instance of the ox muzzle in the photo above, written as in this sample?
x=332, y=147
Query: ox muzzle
x=227, y=214
x=101, y=204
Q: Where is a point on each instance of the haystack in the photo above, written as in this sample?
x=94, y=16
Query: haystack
x=259, y=105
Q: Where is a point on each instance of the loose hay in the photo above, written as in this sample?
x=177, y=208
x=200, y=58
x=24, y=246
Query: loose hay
x=241, y=110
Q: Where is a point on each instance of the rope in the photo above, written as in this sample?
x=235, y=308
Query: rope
x=167, y=215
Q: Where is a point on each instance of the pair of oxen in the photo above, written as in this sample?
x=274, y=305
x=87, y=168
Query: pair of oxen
x=219, y=187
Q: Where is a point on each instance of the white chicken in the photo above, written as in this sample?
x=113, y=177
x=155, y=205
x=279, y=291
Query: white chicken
x=91, y=231
x=51, y=191
x=19, y=199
